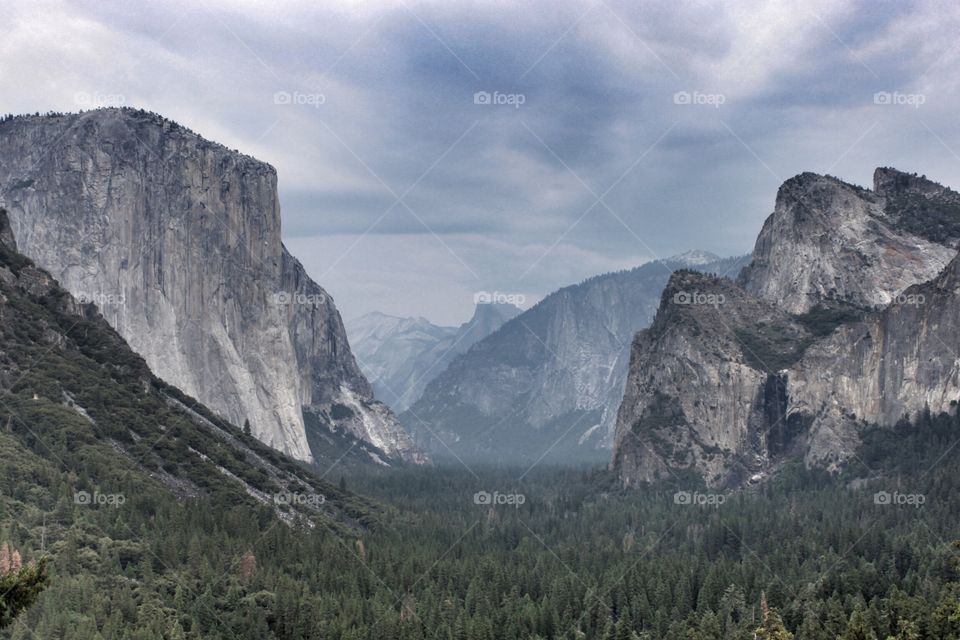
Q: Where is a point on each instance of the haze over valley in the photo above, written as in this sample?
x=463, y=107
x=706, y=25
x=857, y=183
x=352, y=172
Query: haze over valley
x=455, y=321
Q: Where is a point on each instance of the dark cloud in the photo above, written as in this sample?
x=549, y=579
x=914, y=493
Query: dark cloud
x=500, y=197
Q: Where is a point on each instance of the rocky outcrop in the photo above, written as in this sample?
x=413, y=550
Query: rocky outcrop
x=705, y=387
x=550, y=380
x=400, y=356
x=847, y=319
x=895, y=364
x=829, y=240
x=177, y=241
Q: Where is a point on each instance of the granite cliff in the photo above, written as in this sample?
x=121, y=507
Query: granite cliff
x=829, y=240
x=845, y=319
x=177, y=241
x=81, y=409
x=704, y=386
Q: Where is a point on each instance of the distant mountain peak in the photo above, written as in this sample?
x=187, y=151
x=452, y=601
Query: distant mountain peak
x=495, y=309
x=401, y=355
x=549, y=381
x=823, y=230
x=838, y=323
x=694, y=258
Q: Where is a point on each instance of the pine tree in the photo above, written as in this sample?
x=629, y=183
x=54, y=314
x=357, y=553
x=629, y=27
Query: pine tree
x=20, y=586
x=857, y=628
x=772, y=625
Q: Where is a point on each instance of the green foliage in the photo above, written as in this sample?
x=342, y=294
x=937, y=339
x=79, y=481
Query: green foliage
x=772, y=628
x=20, y=589
x=825, y=317
x=190, y=553
x=771, y=350
x=933, y=218
x=579, y=558
x=341, y=412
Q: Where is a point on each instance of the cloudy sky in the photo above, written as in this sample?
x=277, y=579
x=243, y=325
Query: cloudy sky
x=430, y=150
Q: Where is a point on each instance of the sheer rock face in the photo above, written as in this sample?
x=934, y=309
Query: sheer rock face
x=177, y=240
x=549, y=380
x=896, y=363
x=730, y=391
x=701, y=394
x=828, y=240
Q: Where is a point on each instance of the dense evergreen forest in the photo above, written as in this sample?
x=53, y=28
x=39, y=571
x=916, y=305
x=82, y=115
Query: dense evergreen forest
x=864, y=555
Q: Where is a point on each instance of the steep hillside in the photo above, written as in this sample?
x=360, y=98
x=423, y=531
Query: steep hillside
x=77, y=401
x=550, y=380
x=177, y=239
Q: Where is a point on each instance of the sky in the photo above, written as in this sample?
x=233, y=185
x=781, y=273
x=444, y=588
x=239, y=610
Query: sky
x=428, y=151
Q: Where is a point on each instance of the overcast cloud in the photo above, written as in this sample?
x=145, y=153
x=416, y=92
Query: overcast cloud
x=401, y=194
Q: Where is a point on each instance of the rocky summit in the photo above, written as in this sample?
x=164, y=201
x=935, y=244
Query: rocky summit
x=845, y=319
x=829, y=240
x=176, y=239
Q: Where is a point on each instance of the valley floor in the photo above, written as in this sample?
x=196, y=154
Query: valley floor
x=482, y=554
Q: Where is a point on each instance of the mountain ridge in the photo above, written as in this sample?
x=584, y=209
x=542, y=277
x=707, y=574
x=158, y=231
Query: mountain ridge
x=547, y=381
x=813, y=344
